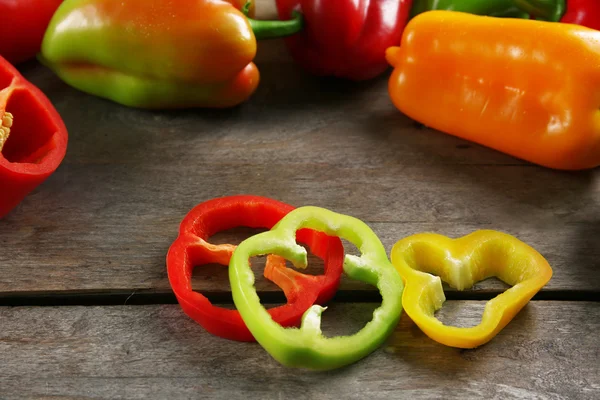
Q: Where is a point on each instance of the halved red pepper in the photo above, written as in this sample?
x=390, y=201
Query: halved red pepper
x=33, y=137
x=344, y=38
x=23, y=25
x=191, y=249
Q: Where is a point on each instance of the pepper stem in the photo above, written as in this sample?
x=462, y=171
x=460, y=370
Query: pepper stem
x=5, y=125
x=274, y=29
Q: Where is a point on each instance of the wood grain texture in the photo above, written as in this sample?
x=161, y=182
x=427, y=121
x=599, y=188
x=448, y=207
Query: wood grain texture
x=106, y=218
x=549, y=351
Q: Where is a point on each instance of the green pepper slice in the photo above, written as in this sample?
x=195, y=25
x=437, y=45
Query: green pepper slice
x=306, y=347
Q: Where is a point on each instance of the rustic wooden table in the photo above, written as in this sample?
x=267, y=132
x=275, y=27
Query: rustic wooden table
x=87, y=307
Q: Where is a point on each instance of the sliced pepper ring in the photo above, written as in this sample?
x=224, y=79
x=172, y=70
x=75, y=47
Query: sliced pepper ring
x=461, y=263
x=33, y=137
x=306, y=347
x=191, y=249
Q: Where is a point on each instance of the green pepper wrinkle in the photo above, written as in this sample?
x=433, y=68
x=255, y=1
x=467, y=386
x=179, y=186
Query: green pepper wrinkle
x=306, y=346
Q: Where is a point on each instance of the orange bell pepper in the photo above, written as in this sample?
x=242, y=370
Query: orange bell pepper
x=523, y=87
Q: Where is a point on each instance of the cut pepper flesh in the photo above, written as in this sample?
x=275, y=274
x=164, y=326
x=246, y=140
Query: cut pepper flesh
x=306, y=347
x=425, y=260
x=33, y=137
x=191, y=250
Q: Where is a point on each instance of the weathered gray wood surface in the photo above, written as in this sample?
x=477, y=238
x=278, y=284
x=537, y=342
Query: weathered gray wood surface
x=98, y=231
x=105, y=220
x=549, y=351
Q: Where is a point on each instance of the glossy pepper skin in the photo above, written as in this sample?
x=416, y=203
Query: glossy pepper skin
x=33, y=137
x=527, y=88
x=23, y=25
x=547, y=10
x=191, y=250
x=306, y=347
x=425, y=260
x=343, y=38
x=582, y=12
x=159, y=54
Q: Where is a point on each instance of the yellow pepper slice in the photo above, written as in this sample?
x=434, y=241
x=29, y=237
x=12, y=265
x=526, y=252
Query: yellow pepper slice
x=461, y=263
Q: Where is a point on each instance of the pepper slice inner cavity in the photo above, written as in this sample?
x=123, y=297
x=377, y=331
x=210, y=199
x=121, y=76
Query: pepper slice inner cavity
x=27, y=130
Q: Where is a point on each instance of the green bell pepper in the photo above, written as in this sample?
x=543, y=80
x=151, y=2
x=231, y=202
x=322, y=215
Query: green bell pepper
x=160, y=54
x=547, y=10
x=306, y=347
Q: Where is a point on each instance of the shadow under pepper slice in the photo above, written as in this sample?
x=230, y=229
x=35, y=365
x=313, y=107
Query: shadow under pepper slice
x=306, y=347
x=191, y=250
x=160, y=53
x=425, y=260
x=33, y=137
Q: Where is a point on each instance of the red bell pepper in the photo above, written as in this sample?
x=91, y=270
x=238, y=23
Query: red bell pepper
x=33, y=137
x=583, y=12
x=345, y=38
x=23, y=25
x=191, y=249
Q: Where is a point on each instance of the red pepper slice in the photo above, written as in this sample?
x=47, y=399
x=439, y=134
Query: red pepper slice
x=191, y=249
x=344, y=38
x=33, y=137
x=24, y=23
x=583, y=12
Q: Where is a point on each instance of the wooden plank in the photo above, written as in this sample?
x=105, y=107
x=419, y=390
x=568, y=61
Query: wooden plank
x=105, y=220
x=549, y=351
x=106, y=228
